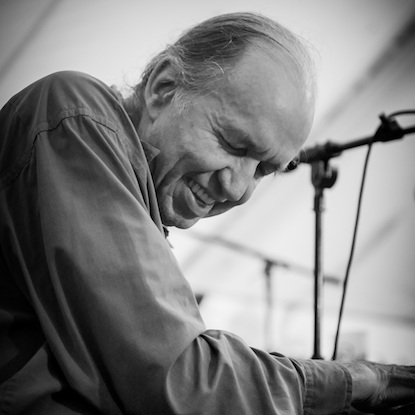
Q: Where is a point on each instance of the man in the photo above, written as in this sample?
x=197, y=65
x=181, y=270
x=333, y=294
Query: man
x=95, y=316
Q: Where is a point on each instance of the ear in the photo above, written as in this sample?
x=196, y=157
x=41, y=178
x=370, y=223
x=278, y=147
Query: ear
x=160, y=88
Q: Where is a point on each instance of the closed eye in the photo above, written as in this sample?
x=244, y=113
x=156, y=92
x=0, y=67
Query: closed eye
x=236, y=151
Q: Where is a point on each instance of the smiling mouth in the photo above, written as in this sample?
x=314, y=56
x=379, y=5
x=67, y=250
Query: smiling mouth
x=200, y=194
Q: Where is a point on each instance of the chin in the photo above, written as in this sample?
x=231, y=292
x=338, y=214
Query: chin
x=182, y=224
x=178, y=221
x=185, y=225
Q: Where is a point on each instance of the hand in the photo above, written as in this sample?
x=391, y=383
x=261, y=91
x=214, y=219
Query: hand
x=377, y=386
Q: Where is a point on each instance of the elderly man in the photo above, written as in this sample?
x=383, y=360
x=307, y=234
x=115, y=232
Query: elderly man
x=95, y=315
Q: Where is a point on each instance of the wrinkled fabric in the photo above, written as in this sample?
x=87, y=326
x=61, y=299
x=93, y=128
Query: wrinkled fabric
x=95, y=314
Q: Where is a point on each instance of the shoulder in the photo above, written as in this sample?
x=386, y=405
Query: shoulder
x=44, y=103
x=73, y=85
x=63, y=82
x=66, y=78
x=66, y=89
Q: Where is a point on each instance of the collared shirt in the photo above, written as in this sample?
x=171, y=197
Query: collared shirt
x=95, y=314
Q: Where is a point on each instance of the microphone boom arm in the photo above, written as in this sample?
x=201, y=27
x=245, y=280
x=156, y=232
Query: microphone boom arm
x=389, y=130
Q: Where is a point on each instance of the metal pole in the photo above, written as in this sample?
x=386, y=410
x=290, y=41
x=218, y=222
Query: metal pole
x=318, y=274
x=322, y=176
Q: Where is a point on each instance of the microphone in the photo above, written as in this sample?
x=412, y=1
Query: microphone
x=320, y=152
x=310, y=155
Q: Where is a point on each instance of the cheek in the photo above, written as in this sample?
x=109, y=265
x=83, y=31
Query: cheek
x=204, y=156
x=187, y=149
x=249, y=191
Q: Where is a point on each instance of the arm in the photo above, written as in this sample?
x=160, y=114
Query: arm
x=112, y=303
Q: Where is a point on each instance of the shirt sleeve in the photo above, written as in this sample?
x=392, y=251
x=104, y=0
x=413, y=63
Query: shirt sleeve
x=120, y=318
x=220, y=374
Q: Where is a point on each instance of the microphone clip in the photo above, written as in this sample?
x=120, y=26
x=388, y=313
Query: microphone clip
x=388, y=130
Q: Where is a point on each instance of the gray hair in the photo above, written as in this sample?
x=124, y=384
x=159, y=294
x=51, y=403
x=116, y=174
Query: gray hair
x=203, y=54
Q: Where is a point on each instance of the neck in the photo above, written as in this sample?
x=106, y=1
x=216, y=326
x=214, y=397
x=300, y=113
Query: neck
x=133, y=107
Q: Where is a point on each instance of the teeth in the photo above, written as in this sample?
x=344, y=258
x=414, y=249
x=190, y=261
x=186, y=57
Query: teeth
x=200, y=193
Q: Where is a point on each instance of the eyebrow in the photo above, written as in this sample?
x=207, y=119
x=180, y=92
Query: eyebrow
x=245, y=138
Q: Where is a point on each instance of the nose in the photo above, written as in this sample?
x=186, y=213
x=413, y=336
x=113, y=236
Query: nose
x=238, y=180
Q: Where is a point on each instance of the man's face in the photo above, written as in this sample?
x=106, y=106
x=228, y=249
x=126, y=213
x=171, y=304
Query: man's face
x=214, y=153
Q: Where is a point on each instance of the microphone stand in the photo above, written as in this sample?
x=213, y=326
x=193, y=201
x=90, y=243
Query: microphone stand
x=323, y=176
